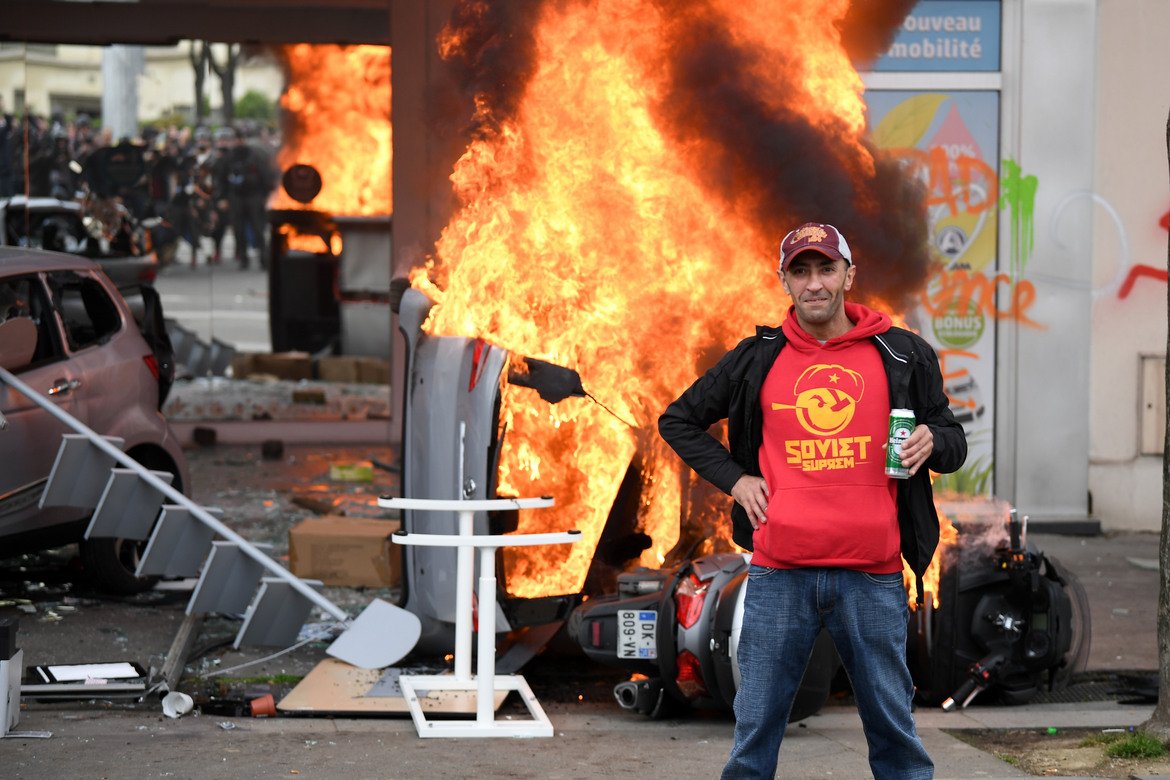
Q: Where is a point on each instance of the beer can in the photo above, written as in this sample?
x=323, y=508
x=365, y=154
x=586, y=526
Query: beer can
x=901, y=426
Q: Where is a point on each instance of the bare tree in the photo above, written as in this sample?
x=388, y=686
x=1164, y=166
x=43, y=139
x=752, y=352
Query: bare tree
x=199, y=63
x=1158, y=725
x=227, y=78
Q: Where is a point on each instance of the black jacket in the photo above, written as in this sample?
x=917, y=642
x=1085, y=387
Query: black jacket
x=731, y=390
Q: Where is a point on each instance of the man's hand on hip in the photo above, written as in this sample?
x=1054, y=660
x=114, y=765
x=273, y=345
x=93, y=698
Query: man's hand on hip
x=752, y=494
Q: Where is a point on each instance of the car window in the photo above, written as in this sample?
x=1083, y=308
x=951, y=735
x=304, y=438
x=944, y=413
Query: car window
x=24, y=296
x=87, y=312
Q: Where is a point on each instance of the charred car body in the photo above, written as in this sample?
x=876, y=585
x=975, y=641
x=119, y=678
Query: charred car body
x=451, y=446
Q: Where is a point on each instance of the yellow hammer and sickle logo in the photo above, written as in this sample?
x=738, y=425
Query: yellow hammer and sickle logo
x=826, y=398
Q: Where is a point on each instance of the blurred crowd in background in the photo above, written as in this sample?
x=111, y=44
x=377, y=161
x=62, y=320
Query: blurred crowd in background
x=197, y=182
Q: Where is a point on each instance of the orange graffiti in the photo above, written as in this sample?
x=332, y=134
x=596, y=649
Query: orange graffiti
x=949, y=182
x=958, y=288
x=943, y=354
x=948, y=376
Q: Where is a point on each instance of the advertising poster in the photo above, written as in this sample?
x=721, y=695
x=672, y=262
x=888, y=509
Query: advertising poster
x=951, y=140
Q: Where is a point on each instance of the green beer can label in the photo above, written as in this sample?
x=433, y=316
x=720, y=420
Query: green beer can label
x=901, y=426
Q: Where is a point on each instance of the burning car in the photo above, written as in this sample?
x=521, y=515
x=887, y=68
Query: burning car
x=677, y=627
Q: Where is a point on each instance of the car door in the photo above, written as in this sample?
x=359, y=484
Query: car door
x=109, y=374
x=29, y=442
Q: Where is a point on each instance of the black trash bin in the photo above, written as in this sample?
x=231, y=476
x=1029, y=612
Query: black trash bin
x=304, y=313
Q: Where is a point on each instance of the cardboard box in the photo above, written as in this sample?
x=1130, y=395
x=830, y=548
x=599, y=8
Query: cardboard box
x=282, y=365
x=348, y=369
x=346, y=551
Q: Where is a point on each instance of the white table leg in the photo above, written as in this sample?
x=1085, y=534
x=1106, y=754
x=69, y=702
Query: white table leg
x=464, y=579
x=486, y=663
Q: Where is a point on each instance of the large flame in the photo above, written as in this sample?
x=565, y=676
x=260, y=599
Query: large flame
x=587, y=238
x=337, y=119
x=611, y=222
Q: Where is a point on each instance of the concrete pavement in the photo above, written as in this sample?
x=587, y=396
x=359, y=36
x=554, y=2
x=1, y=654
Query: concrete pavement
x=95, y=742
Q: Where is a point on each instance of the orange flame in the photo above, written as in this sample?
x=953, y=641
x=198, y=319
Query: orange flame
x=337, y=119
x=590, y=238
x=948, y=537
x=586, y=239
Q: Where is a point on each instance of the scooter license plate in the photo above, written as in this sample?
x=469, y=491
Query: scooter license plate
x=637, y=632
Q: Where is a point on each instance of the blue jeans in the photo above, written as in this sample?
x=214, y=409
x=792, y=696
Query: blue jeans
x=866, y=615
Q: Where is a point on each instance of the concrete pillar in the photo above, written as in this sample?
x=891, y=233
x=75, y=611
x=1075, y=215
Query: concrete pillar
x=1042, y=430
x=429, y=118
x=429, y=121
x=121, y=67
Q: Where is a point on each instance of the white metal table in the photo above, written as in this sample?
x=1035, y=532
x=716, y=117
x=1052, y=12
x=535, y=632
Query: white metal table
x=485, y=682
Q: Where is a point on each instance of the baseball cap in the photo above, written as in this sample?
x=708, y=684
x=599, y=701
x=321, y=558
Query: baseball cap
x=817, y=237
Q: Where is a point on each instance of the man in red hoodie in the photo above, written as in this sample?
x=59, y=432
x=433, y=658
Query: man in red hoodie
x=808, y=408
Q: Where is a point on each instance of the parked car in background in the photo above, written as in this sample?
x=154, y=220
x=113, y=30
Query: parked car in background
x=102, y=365
x=105, y=233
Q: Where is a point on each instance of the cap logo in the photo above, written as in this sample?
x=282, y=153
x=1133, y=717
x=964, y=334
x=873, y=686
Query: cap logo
x=810, y=233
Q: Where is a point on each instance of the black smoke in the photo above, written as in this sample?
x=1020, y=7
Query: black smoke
x=491, y=49
x=868, y=28
x=780, y=169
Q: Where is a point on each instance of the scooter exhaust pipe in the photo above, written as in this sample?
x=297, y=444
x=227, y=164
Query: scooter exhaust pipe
x=639, y=695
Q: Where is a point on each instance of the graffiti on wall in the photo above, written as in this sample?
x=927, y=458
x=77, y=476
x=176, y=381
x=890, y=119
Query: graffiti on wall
x=1144, y=271
x=950, y=140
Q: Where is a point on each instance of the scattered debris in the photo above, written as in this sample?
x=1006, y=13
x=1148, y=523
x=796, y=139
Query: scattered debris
x=263, y=706
x=204, y=437
x=28, y=735
x=176, y=704
x=393, y=468
x=352, y=471
x=317, y=505
x=272, y=449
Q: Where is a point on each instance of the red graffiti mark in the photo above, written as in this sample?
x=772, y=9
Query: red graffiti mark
x=1165, y=221
x=1137, y=272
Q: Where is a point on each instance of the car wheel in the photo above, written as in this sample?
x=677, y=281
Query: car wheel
x=111, y=563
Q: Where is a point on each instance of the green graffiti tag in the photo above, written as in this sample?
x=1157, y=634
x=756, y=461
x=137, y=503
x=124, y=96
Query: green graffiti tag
x=1018, y=192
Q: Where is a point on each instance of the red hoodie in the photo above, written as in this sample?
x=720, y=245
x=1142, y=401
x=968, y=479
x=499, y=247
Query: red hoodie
x=826, y=414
